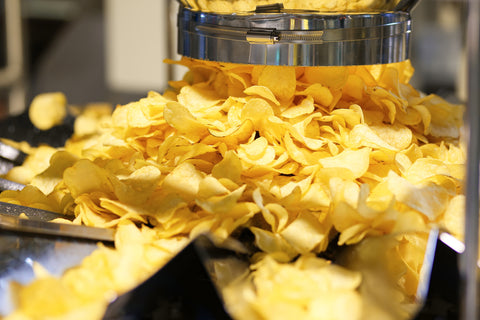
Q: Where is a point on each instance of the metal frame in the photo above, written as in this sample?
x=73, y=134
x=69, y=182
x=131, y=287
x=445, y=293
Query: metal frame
x=469, y=267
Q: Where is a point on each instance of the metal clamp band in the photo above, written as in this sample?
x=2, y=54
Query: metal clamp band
x=262, y=36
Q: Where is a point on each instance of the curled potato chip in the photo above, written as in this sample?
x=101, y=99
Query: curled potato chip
x=198, y=99
x=279, y=212
x=184, y=179
x=229, y=167
x=354, y=87
x=393, y=137
x=273, y=244
x=306, y=233
x=429, y=199
x=263, y=92
x=305, y=107
x=181, y=119
x=37, y=161
x=356, y=161
x=48, y=179
x=320, y=94
x=258, y=111
x=85, y=177
x=48, y=110
x=280, y=80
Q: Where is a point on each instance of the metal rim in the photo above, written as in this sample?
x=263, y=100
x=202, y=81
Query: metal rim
x=296, y=39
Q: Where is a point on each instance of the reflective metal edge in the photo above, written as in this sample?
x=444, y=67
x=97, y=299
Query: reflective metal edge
x=39, y=222
x=295, y=39
x=470, y=276
x=32, y=213
x=9, y=185
x=13, y=223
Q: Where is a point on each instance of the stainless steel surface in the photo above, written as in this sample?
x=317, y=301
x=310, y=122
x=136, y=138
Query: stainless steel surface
x=425, y=272
x=20, y=251
x=295, y=38
x=406, y=5
x=12, y=154
x=38, y=223
x=10, y=157
x=55, y=246
x=10, y=185
x=32, y=213
x=40, y=227
x=469, y=270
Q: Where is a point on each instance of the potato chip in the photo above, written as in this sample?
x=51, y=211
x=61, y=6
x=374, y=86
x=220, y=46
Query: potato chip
x=197, y=98
x=59, y=302
x=219, y=204
x=90, y=120
x=425, y=168
x=320, y=94
x=184, y=179
x=36, y=162
x=48, y=110
x=316, y=197
x=305, y=107
x=274, y=244
x=258, y=111
x=299, y=154
x=445, y=118
x=256, y=148
x=280, y=80
x=287, y=291
x=32, y=197
x=85, y=177
x=429, y=199
x=306, y=233
x=356, y=161
x=352, y=116
x=332, y=77
x=181, y=119
x=48, y=179
x=263, y=92
x=354, y=87
x=394, y=137
x=454, y=220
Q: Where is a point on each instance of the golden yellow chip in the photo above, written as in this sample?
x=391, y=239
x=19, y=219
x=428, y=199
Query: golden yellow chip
x=332, y=77
x=48, y=110
x=356, y=161
x=263, y=92
x=321, y=94
x=280, y=80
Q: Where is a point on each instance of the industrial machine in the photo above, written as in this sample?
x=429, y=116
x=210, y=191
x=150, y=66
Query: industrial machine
x=273, y=35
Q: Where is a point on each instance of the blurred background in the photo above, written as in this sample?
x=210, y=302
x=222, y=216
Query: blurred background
x=113, y=50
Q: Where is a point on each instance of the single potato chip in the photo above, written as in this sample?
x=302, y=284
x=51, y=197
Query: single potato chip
x=48, y=110
x=280, y=80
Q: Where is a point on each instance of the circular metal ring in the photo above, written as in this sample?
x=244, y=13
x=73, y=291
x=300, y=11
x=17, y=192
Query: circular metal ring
x=295, y=38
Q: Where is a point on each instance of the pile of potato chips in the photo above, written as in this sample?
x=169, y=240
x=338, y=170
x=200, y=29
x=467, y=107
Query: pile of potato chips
x=300, y=156
x=230, y=6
